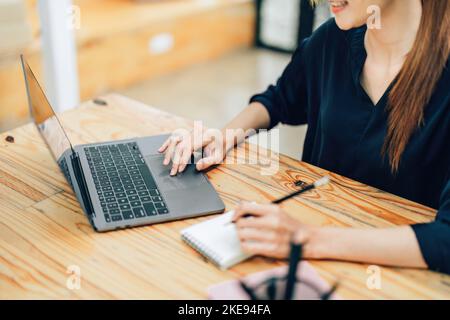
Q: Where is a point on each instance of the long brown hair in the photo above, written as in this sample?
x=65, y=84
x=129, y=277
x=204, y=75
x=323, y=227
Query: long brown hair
x=416, y=81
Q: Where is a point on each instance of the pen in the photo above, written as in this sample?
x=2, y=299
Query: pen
x=291, y=279
x=318, y=183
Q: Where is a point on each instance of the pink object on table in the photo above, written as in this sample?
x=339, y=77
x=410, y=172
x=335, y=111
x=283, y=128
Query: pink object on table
x=231, y=290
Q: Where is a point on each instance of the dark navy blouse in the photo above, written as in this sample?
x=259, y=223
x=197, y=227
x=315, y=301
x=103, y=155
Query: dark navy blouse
x=321, y=87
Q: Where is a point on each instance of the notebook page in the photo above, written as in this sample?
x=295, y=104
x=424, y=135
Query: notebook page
x=217, y=240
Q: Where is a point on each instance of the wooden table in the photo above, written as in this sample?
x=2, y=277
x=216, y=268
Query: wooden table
x=43, y=230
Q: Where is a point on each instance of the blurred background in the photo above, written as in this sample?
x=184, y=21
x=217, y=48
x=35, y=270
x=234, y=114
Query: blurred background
x=201, y=59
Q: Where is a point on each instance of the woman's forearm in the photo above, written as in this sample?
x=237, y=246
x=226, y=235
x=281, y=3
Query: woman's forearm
x=254, y=117
x=391, y=246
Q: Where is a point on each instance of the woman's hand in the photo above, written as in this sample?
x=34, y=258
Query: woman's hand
x=269, y=230
x=180, y=147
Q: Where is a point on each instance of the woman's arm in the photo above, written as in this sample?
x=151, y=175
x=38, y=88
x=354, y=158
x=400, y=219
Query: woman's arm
x=391, y=246
x=255, y=117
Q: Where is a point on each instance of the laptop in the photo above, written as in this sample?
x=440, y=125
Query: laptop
x=121, y=184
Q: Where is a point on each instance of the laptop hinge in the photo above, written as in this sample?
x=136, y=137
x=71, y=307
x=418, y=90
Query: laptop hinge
x=82, y=185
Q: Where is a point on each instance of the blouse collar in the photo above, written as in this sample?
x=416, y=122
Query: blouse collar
x=358, y=52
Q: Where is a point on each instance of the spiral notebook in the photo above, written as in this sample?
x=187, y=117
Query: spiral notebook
x=217, y=240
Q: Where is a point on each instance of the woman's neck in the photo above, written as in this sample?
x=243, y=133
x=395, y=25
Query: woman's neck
x=400, y=21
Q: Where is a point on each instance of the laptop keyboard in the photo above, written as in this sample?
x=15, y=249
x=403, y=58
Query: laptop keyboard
x=124, y=184
x=65, y=170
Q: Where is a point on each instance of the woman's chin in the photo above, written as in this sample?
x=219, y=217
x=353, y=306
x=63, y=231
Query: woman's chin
x=347, y=24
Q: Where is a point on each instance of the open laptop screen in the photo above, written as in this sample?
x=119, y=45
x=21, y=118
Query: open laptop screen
x=43, y=115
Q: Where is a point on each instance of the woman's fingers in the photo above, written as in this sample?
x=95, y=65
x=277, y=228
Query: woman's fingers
x=179, y=149
x=254, y=209
x=207, y=162
x=176, y=159
x=264, y=242
x=268, y=249
x=169, y=154
x=256, y=234
x=164, y=146
x=260, y=248
x=268, y=222
x=184, y=160
x=211, y=156
x=268, y=231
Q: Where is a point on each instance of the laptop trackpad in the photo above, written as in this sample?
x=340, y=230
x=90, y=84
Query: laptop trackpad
x=190, y=178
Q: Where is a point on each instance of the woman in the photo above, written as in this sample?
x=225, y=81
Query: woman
x=377, y=105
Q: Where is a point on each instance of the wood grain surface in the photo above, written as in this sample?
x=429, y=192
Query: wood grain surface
x=43, y=231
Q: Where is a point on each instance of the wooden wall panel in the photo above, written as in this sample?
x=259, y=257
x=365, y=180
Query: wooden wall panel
x=125, y=59
x=113, y=45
